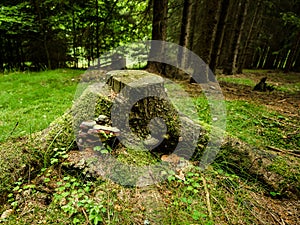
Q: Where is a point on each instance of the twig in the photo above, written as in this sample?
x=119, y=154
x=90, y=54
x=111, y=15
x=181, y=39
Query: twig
x=283, y=151
x=274, y=217
x=224, y=211
x=207, y=198
x=13, y=130
x=86, y=216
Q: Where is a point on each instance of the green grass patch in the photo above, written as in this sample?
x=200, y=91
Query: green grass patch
x=29, y=102
x=236, y=80
x=292, y=88
x=258, y=126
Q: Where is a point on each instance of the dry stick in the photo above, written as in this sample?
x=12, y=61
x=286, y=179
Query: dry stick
x=283, y=151
x=224, y=211
x=266, y=210
x=274, y=217
x=86, y=217
x=207, y=198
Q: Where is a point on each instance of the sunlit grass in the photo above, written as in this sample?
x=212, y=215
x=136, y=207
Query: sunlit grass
x=29, y=102
x=235, y=80
x=259, y=126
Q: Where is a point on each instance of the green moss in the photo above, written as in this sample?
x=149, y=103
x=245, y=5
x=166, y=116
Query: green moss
x=137, y=157
x=61, y=133
x=289, y=171
x=90, y=105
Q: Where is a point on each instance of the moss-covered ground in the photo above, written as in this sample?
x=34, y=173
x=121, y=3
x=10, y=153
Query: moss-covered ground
x=52, y=192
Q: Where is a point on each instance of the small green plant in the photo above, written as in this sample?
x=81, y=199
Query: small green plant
x=19, y=188
x=59, y=153
x=73, y=197
x=275, y=194
x=192, y=182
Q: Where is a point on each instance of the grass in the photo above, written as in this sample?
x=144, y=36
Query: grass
x=60, y=195
x=243, y=81
x=259, y=126
x=29, y=102
x=282, y=82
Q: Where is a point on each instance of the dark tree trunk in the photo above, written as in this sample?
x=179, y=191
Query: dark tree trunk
x=229, y=65
x=74, y=38
x=207, y=28
x=43, y=33
x=219, y=35
x=293, y=54
x=245, y=51
x=185, y=32
x=159, y=32
x=97, y=34
x=269, y=61
x=1, y=55
x=228, y=32
x=238, y=48
x=195, y=4
x=204, y=39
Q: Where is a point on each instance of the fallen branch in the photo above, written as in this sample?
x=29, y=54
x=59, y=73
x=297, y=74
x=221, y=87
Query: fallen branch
x=207, y=198
x=284, y=151
x=224, y=211
x=86, y=217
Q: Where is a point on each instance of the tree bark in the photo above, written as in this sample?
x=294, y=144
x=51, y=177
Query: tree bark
x=1, y=55
x=245, y=51
x=207, y=28
x=293, y=54
x=97, y=34
x=229, y=65
x=185, y=32
x=195, y=4
x=74, y=38
x=238, y=48
x=223, y=12
x=159, y=32
x=44, y=34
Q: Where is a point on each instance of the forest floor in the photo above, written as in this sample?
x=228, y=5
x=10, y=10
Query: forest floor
x=285, y=99
x=58, y=195
x=284, y=102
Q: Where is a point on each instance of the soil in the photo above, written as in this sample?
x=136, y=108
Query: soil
x=282, y=102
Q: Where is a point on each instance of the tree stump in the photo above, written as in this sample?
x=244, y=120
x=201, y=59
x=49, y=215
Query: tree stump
x=263, y=86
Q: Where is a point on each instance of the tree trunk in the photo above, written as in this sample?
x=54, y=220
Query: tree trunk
x=245, y=51
x=74, y=38
x=219, y=35
x=159, y=32
x=185, y=32
x=229, y=65
x=228, y=32
x=204, y=38
x=1, y=55
x=207, y=28
x=97, y=35
x=238, y=48
x=44, y=34
x=293, y=54
x=195, y=4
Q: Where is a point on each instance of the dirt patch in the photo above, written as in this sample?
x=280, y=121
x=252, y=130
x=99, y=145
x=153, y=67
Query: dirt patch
x=275, y=211
x=283, y=102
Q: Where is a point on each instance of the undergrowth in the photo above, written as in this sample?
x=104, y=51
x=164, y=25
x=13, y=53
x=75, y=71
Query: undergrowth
x=60, y=195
